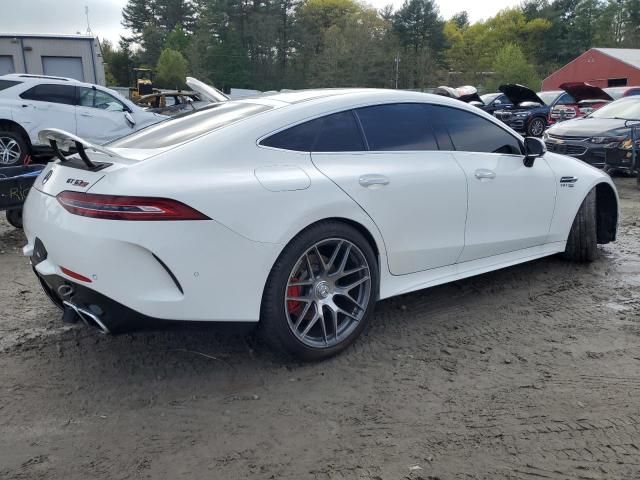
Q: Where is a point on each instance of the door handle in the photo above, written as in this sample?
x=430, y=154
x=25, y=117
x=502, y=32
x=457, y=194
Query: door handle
x=373, y=179
x=483, y=173
x=86, y=115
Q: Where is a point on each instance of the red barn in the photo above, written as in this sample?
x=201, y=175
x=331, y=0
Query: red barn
x=603, y=67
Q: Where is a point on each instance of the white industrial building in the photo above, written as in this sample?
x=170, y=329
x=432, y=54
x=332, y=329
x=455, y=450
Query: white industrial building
x=74, y=56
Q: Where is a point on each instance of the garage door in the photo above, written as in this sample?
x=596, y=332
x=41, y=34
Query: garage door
x=63, y=67
x=6, y=64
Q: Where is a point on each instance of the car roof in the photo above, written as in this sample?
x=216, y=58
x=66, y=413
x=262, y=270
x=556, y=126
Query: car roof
x=30, y=78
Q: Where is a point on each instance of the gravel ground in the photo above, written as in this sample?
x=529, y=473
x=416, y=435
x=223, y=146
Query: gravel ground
x=530, y=372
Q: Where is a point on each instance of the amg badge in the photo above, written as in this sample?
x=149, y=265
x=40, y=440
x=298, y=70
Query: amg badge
x=77, y=182
x=568, y=182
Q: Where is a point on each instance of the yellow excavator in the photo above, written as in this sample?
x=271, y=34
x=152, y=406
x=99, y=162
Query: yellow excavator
x=142, y=83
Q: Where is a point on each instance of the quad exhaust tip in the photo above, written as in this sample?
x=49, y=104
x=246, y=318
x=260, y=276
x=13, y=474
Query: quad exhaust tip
x=72, y=312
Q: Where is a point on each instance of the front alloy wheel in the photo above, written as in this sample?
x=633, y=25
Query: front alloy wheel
x=536, y=127
x=321, y=292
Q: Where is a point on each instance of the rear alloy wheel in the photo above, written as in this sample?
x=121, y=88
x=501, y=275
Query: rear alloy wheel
x=13, y=149
x=321, y=292
x=536, y=127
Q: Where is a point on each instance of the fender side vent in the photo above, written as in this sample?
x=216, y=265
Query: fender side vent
x=173, y=277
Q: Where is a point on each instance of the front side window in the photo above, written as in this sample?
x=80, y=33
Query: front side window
x=94, y=98
x=397, y=127
x=52, y=93
x=471, y=133
x=337, y=132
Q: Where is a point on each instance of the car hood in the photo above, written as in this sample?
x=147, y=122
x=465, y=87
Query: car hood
x=586, y=127
x=206, y=91
x=583, y=91
x=519, y=93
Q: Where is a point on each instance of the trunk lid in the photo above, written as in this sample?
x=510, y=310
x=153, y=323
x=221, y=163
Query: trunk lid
x=583, y=91
x=71, y=171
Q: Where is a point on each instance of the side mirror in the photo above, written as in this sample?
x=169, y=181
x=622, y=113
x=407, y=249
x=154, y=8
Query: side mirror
x=129, y=118
x=533, y=148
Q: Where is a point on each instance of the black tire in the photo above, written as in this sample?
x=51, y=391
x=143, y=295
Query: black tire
x=14, y=217
x=19, y=149
x=582, y=245
x=536, y=127
x=274, y=326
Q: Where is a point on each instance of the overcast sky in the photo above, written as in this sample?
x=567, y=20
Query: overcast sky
x=67, y=16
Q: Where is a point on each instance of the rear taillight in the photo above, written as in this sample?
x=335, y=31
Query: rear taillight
x=113, y=207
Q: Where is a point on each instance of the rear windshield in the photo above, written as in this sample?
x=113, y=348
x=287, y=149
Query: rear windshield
x=189, y=125
x=4, y=84
x=548, y=97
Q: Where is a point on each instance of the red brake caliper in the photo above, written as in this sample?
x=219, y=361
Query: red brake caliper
x=293, y=306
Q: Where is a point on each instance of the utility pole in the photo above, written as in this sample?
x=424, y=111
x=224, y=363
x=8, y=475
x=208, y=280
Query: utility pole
x=86, y=12
x=397, y=62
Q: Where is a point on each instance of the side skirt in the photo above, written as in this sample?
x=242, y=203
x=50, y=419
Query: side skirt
x=391, y=285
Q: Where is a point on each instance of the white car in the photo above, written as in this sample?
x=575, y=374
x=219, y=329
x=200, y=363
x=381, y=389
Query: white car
x=300, y=210
x=30, y=103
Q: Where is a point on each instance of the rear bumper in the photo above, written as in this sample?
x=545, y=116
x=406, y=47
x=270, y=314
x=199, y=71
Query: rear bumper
x=93, y=307
x=189, y=270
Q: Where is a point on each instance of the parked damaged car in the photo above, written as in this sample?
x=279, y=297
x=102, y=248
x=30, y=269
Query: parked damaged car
x=602, y=138
x=587, y=98
x=174, y=102
x=529, y=111
x=466, y=94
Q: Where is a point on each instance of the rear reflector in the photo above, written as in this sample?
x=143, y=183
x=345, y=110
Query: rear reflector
x=113, y=207
x=74, y=275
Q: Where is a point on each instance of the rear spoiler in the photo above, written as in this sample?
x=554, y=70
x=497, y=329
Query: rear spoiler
x=61, y=140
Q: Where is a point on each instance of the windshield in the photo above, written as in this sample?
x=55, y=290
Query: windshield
x=626, y=108
x=487, y=98
x=189, y=125
x=548, y=97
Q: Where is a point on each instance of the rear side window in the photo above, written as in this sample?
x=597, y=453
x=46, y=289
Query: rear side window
x=189, y=125
x=338, y=132
x=4, y=84
x=396, y=127
x=51, y=93
x=633, y=93
x=472, y=133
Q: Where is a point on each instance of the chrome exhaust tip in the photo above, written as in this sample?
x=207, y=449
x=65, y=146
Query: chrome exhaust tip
x=87, y=316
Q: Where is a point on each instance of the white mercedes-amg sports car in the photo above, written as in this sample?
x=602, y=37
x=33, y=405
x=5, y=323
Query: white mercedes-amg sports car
x=300, y=210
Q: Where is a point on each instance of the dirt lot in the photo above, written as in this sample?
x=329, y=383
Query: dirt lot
x=531, y=372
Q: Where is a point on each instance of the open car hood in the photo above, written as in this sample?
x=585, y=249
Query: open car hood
x=206, y=91
x=583, y=91
x=518, y=94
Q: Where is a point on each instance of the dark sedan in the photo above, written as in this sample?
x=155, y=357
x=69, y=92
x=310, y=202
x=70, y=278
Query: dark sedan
x=602, y=135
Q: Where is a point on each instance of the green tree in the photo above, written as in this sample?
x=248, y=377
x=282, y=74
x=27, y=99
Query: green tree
x=511, y=66
x=171, y=69
x=420, y=31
